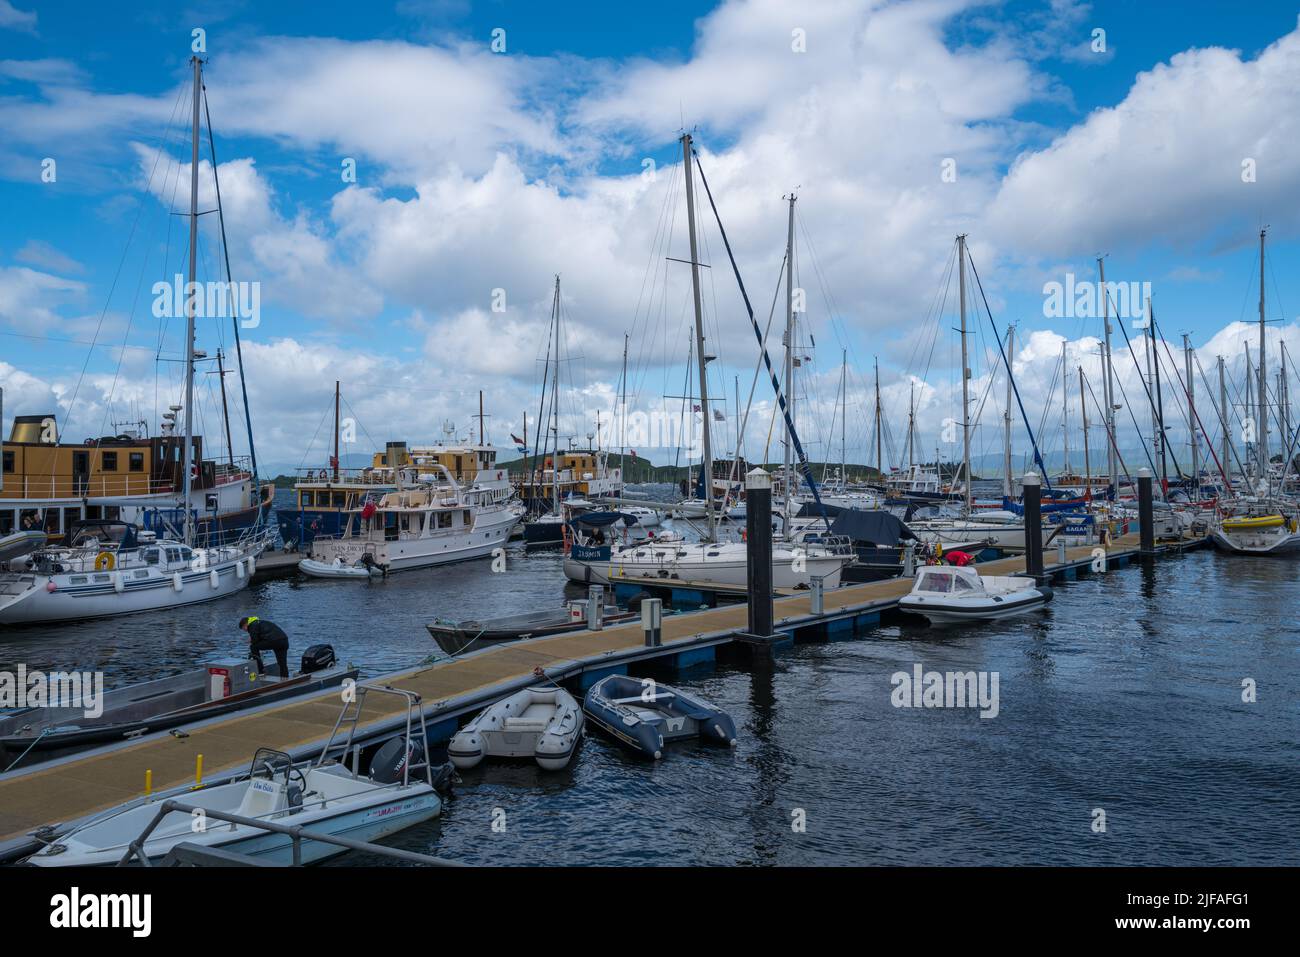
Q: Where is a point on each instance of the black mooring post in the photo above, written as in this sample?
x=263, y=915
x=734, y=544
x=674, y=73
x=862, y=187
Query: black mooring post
x=1033, y=525
x=1146, y=512
x=758, y=551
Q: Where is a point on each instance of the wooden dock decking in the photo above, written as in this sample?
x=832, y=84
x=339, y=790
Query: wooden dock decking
x=66, y=790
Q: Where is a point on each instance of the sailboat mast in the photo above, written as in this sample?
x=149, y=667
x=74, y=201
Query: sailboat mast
x=1227, y=432
x=880, y=462
x=700, y=357
x=1191, y=416
x=844, y=413
x=555, y=404
x=191, y=303
x=1087, y=458
x=965, y=370
x=1065, y=415
x=789, y=347
x=225, y=409
x=1285, y=398
x=622, y=452
x=911, y=425
x=1112, y=466
x=1250, y=406
x=1007, y=478
x=335, y=463
x=1160, y=404
x=1262, y=403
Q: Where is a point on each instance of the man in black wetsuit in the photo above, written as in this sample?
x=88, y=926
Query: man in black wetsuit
x=267, y=636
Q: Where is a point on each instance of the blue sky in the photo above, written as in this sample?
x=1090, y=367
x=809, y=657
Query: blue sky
x=480, y=171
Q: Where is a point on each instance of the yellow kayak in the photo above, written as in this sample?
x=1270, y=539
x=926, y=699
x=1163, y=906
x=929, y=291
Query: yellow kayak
x=1258, y=521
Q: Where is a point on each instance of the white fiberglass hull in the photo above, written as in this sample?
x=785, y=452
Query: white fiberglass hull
x=950, y=609
x=996, y=535
x=727, y=568
x=1278, y=541
x=26, y=598
x=491, y=531
x=385, y=813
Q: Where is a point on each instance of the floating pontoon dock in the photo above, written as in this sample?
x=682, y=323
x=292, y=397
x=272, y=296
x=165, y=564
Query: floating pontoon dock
x=61, y=792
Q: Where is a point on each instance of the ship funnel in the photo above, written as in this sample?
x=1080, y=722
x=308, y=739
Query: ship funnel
x=36, y=429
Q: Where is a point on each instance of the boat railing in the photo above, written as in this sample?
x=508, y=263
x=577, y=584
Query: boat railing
x=351, y=476
x=296, y=832
x=352, y=717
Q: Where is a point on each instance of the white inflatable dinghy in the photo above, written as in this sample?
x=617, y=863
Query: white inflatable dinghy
x=540, y=723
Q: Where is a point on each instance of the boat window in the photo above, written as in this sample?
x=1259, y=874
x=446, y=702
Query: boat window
x=141, y=573
x=102, y=578
x=339, y=499
x=937, y=582
x=137, y=461
x=78, y=579
x=108, y=461
x=304, y=500
x=185, y=554
x=173, y=554
x=151, y=556
x=444, y=520
x=962, y=584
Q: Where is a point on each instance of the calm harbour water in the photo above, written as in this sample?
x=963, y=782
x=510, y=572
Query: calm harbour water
x=1125, y=695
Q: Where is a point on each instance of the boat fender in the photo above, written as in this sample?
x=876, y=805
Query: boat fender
x=118, y=585
x=215, y=579
x=50, y=586
x=104, y=561
x=252, y=566
x=1046, y=591
x=176, y=582
x=239, y=570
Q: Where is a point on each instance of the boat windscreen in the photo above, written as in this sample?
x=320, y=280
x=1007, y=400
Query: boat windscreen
x=936, y=581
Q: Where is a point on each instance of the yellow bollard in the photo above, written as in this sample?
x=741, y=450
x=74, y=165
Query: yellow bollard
x=148, y=782
x=198, y=771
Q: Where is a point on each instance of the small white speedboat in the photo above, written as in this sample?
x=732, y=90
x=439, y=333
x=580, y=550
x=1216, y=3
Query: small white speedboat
x=540, y=723
x=339, y=569
x=951, y=593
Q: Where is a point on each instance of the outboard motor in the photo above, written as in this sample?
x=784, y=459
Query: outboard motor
x=389, y=762
x=318, y=658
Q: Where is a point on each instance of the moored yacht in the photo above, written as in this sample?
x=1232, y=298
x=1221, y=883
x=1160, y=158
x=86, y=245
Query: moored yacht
x=669, y=557
x=434, y=521
x=1257, y=527
x=111, y=569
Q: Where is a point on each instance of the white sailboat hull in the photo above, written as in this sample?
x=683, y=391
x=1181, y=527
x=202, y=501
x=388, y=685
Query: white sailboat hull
x=729, y=568
x=1256, y=541
x=27, y=598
